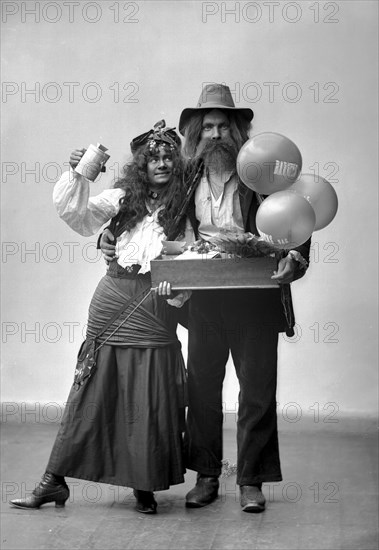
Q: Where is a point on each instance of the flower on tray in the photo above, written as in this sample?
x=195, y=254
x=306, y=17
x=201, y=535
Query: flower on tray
x=203, y=247
x=245, y=245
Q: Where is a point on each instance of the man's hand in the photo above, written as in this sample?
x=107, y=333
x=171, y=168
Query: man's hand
x=286, y=271
x=75, y=157
x=108, y=248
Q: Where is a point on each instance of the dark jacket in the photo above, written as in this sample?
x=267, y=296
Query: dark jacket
x=249, y=202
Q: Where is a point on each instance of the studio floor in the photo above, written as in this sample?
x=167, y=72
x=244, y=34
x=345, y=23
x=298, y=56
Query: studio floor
x=328, y=499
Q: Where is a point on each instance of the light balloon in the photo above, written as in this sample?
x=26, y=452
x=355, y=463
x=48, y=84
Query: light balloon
x=321, y=195
x=285, y=219
x=269, y=162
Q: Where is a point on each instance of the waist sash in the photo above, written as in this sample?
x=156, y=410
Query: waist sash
x=143, y=329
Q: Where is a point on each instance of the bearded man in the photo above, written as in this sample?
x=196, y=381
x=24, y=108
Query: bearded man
x=244, y=322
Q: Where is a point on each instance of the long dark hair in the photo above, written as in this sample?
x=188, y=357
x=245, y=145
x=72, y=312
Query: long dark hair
x=135, y=183
x=239, y=130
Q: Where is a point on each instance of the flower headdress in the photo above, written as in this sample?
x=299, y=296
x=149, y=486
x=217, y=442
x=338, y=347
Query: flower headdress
x=159, y=135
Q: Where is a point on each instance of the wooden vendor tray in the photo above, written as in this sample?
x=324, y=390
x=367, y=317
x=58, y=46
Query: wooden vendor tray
x=214, y=273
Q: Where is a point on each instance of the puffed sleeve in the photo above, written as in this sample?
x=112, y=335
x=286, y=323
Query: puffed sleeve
x=84, y=214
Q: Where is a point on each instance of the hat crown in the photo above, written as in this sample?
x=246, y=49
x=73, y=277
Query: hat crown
x=215, y=95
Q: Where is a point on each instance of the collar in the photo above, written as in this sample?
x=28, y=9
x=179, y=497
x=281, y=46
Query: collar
x=221, y=179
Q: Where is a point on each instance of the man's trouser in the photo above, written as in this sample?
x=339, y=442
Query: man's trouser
x=246, y=323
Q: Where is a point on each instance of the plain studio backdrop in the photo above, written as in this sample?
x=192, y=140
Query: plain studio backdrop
x=76, y=73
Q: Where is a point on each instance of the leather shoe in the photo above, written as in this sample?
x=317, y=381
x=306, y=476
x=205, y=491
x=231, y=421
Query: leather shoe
x=252, y=499
x=146, y=503
x=204, y=492
x=51, y=489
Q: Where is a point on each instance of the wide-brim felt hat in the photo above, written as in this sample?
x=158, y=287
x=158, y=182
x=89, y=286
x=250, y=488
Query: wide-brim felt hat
x=213, y=96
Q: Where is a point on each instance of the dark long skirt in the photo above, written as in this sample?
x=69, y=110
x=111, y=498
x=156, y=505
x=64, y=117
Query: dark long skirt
x=124, y=426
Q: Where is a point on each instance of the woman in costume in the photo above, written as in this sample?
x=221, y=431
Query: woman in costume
x=123, y=424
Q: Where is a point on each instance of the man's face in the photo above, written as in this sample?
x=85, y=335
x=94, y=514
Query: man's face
x=215, y=126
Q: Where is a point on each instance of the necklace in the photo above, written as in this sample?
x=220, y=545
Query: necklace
x=152, y=194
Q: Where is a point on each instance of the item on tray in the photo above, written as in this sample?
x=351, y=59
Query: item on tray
x=173, y=247
x=245, y=245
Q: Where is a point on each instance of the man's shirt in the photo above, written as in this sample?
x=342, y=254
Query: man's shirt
x=222, y=215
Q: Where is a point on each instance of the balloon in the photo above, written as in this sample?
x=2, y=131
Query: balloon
x=320, y=194
x=268, y=163
x=285, y=219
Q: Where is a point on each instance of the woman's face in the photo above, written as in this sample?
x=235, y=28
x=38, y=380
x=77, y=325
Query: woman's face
x=159, y=168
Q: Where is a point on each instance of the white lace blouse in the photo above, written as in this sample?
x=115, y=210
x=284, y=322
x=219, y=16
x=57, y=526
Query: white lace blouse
x=86, y=215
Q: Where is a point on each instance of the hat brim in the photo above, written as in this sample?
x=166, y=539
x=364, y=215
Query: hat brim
x=248, y=114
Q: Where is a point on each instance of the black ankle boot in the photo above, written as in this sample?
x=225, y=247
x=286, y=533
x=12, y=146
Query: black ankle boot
x=252, y=499
x=51, y=489
x=204, y=492
x=146, y=503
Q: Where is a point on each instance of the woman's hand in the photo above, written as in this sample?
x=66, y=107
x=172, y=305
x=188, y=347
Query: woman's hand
x=75, y=157
x=164, y=289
